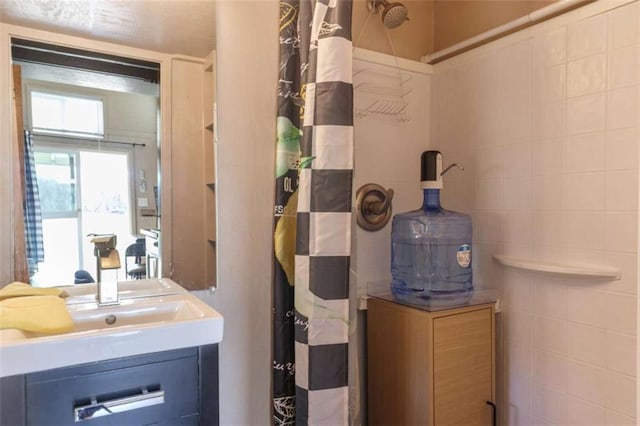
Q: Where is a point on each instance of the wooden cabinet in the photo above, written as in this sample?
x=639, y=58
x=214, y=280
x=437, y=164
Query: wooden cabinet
x=430, y=368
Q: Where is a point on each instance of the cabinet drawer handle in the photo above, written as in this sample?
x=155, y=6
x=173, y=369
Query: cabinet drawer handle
x=494, y=417
x=119, y=405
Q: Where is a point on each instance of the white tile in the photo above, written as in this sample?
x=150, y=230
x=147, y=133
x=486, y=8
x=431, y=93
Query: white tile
x=518, y=291
x=516, y=74
x=585, y=229
x=585, y=191
x=622, y=190
x=622, y=149
x=549, y=82
x=550, y=47
x=489, y=225
x=627, y=264
x=621, y=353
x=550, y=299
x=538, y=421
x=517, y=401
x=621, y=313
x=517, y=250
x=586, y=114
x=550, y=335
x=582, y=413
x=587, y=307
x=488, y=162
x=621, y=394
x=550, y=370
x=548, y=120
x=517, y=228
x=548, y=192
x=586, y=344
x=518, y=360
x=585, y=153
x=621, y=231
x=489, y=196
x=623, y=67
x=518, y=398
x=616, y=419
x=518, y=329
x=516, y=160
x=516, y=120
x=547, y=157
x=517, y=194
x=586, y=382
x=549, y=405
x=586, y=75
x=623, y=26
x=622, y=108
x=487, y=99
x=550, y=254
x=486, y=272
x=551, y=228
x=464, y=194
x=587, y=37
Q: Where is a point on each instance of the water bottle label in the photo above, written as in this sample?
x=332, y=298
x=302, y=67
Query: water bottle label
x=464, y=255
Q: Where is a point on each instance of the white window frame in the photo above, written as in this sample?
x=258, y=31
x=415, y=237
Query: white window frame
x=70, y=94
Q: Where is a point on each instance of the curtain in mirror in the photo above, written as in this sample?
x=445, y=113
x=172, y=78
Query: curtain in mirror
x=32, y=210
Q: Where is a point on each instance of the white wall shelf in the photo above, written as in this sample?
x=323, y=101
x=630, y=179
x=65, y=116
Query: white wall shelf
x=564, y=270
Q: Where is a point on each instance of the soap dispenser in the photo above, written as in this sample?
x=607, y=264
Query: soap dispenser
x=431, y=246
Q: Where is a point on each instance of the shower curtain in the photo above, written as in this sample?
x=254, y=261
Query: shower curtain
x=314, y=167
x=32, y=211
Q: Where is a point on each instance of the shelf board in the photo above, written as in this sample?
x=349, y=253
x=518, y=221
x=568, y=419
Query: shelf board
x=564, y=270
x=212, y=242
x=208, y=62
x=211, y=185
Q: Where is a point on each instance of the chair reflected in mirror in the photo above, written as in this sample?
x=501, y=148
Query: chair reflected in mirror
x=135, y=260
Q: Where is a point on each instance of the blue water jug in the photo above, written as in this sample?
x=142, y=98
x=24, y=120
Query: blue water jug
x=431, y=246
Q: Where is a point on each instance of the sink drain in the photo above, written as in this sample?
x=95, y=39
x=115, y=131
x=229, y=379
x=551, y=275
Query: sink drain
x=110, y=319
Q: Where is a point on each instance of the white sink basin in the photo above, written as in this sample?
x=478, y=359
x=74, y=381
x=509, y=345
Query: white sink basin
x=140, y=324
x=84, y=293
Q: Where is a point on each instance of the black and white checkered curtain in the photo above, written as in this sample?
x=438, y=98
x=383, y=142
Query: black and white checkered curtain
x=32, y=211
x=313, y=212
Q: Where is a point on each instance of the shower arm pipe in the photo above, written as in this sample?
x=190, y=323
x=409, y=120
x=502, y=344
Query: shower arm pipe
x=487, y=36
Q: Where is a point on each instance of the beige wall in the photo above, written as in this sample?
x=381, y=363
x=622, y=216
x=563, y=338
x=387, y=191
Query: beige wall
x=411, y=40
x=436, y=24
x=458, y=20
x=247, y=73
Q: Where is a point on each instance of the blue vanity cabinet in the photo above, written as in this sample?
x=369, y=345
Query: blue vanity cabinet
x=178, y=387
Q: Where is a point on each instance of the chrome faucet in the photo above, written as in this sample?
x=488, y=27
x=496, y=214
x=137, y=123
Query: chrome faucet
x=107, y=257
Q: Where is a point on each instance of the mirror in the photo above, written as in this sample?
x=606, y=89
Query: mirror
x=94, y=149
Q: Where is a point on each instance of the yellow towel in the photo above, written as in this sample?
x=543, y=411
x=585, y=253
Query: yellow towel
x=39, y=314
x=18, y=289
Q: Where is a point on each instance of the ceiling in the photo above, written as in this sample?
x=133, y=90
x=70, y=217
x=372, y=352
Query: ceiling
x=184, y=27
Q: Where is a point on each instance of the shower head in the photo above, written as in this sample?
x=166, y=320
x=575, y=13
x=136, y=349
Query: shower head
x=393, y=14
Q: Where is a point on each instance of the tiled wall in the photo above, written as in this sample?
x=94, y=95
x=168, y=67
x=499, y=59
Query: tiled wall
x=546, y=123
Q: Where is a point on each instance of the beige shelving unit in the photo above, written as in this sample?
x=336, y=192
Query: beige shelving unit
x=208, y=120
x=430, y=368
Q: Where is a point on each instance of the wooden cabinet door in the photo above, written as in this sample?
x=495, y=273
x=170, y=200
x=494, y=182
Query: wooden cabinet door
x=463, y=368
x=398, y=348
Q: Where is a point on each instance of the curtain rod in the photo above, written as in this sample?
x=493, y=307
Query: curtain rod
x=89, y=140
x=532, y=18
